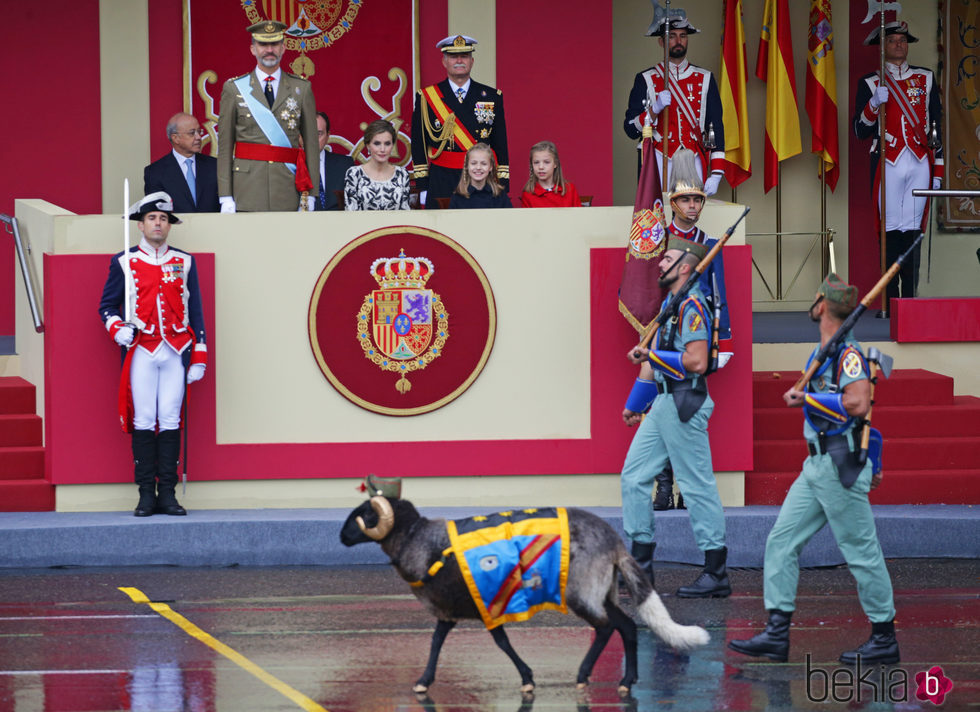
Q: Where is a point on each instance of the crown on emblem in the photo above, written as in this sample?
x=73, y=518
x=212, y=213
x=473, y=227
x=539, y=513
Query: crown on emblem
x=402, y=272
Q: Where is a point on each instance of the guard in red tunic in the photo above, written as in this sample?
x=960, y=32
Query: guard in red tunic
x=691, y=106
x=165, y=347
x=913, y=111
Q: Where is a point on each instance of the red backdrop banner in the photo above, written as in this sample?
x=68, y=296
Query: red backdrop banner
x=358, y=54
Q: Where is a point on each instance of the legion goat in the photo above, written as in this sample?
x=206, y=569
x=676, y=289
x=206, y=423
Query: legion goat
x=596, y=554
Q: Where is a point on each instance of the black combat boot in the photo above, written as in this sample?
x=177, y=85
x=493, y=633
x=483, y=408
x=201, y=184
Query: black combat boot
x=145, y=471
x=772, y=643
x=664, y=498
x=168, y=455
x=713, y=581
x=880, y=648
x=643, y=553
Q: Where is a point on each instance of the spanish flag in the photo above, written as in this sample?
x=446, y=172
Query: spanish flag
x=738, y=158
x=821, y=90
x=775, y=68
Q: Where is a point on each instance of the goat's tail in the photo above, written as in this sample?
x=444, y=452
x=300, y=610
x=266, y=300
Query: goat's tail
x=653, y=612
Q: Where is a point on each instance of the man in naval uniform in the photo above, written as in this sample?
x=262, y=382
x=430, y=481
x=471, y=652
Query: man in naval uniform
x=690, y=104
x=165, y=347
x=913, y=109
x=263, y=115
x=831, y=489
x=450, y=117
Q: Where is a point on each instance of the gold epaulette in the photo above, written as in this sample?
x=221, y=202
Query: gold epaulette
x=503, y=172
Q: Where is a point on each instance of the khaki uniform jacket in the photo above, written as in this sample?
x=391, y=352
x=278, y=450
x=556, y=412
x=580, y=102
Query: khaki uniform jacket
x=266, y=185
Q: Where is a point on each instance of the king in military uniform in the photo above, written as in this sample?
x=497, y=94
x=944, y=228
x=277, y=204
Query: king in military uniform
x=449, y=118
x=263, y=115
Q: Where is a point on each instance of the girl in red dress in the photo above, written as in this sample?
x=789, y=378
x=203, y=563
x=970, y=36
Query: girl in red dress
x=547, y=187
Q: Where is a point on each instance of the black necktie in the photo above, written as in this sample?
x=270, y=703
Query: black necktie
x=269, y=96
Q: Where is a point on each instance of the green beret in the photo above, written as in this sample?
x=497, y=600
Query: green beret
x=835, y=289
x=390, y=488
x=697, y=249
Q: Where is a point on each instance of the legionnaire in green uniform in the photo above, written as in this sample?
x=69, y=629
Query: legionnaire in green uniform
x=676, y=428
x=831, y=489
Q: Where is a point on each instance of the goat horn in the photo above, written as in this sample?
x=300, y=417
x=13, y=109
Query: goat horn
x=386, y=519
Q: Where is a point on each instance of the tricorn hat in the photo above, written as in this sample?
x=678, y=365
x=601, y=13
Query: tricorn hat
x=158, y=201
x=267, y=31
x=891, y=28
x=677, y=20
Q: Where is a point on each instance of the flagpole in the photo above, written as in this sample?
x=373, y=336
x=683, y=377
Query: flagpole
x=779, y=236
x=823, y=217
x=882, y=111
x=666, y=109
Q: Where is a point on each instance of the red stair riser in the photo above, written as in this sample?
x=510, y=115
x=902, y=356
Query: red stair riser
x=26, y=496
x=20, y=430
x=900, y=453
x=905, y=387
x=21, y=463
x=960, y=419
x=16, y=396
x=901, y=487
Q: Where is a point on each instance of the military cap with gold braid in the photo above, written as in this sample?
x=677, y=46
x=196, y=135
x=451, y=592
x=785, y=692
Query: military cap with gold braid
x=267, y=31
x=457, y=44
x=697, y=249
x=834, y=289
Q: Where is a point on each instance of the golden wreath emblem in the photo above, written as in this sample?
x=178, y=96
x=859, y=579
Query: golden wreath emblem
x=402, y=326
x=290, y=113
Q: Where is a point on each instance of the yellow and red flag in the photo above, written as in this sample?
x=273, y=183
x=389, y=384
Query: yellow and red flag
x=640, y=295
x=821, y=90
x=775, y=68
x=734, y=105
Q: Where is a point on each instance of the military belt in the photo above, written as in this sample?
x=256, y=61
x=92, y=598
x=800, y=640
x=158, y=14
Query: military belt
x=674, y=386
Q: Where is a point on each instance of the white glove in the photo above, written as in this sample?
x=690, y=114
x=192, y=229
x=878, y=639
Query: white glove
x=227, y=204
x=310, y=204
x=422, y=195
x=711, y=185
x=879, y=97
x=723, y=358
x=937, y=183
x=195, y=373
x=124, y=335
x=660, y=102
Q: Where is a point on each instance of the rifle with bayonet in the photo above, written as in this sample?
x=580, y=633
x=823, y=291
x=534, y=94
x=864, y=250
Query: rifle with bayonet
x=676, y=299
x=837, y=339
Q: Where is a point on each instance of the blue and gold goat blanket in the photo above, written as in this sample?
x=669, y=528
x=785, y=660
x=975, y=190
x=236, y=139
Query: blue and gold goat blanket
x=514, y=563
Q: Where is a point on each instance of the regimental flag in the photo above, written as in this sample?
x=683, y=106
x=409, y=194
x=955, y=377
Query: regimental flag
x=639, y=294
x=775, y=68
x=821, y=90
x=734, y=104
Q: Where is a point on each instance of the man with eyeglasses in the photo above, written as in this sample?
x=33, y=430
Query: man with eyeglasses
x=185, y=174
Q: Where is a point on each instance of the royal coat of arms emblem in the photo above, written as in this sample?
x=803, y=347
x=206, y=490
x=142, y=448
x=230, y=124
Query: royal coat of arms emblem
x=647, y=232
x=402, y=326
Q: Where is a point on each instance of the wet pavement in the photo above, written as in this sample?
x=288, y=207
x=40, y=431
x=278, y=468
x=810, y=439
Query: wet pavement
x=355, y=639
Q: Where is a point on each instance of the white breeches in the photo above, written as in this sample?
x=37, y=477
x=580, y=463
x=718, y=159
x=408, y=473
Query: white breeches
x=157, y=381
x=904, y=211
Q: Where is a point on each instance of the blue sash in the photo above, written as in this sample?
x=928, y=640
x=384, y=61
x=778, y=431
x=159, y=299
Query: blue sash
x=264, y=117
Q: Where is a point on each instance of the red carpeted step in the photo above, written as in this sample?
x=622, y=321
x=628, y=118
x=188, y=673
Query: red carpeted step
x=962, y=418
x=898, y=487
x=18, y=463
x=913, y=386
x=20, y=430
x=26, y=496
x=16, y=396
x=926, y=453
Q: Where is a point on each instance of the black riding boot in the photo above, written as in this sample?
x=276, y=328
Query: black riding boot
x=664, y=498
x=772, y=643
x=643, y=553
x=168, y=454
x=881, y=647
x=713, y=581
x=145, y=470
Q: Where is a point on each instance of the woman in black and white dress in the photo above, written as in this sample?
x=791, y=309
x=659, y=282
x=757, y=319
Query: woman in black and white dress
x=377, y=184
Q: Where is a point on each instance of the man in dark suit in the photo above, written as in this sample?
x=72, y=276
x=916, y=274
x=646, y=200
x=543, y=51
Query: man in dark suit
x=187, y=176
x=333, y=167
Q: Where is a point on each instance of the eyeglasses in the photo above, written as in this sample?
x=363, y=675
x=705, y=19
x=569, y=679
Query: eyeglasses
x=189, y=134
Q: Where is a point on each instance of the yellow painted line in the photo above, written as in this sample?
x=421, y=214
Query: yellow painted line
x=192, y=630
